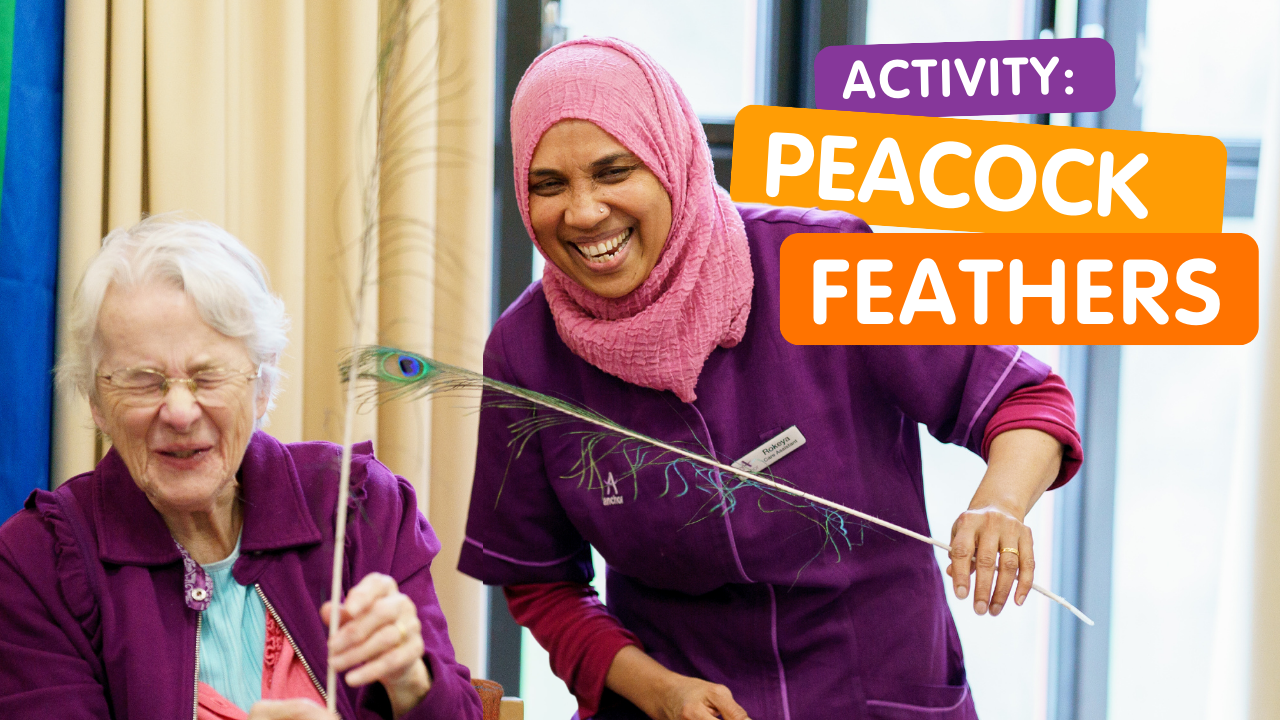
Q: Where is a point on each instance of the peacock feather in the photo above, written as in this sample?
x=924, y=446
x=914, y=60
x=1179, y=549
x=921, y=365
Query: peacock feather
x=400, y=374
x=393, y=374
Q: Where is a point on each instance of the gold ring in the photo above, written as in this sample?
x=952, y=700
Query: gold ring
x=1012, y=550
x=404, y=634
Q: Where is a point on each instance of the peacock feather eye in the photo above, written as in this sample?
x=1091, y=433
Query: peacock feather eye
x=411, y=367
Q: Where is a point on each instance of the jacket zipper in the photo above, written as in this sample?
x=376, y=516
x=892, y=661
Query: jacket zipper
x=195, y=696
x=297, y=652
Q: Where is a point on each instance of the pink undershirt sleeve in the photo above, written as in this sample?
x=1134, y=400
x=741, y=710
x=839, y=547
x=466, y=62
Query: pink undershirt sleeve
x=582, y=638
x=1047, y=407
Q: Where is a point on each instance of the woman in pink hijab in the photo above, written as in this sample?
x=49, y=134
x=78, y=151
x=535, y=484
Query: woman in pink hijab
x=659, y=309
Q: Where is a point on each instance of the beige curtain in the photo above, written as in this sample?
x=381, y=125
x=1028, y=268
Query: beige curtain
x=261, y=116
x=1265, y=626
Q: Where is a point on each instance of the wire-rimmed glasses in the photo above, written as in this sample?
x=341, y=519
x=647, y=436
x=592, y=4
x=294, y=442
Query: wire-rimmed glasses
x=147, y=387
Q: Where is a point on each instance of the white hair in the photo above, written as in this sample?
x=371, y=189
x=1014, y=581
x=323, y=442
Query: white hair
x=227, y=283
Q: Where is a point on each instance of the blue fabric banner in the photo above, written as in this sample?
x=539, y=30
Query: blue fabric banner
x=29, y=207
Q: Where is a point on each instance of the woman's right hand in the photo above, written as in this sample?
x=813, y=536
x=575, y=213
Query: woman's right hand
x=689, y=698
x=665, y=695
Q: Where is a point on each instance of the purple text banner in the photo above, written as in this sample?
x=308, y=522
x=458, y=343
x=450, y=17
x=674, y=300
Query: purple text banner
x=1004, y=77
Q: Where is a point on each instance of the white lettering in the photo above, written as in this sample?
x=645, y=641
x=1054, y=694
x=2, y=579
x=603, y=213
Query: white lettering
x=1056, y=291
x=884, y=79
x=1086, y=291
x=1132, y=294
x=829, y=167
x=1109, y=183
x=970, y=86
x=1015, y=64
x=900, y=182
x=1043, y=71
x=940, y=303
x=859, y=81
x=930, y=163
x=1211, y=302
x=867, y=292
x=776, y=169
x=982, y=178
x=924, y=66
x=1049, y=185
x=980, y=269
x=822, y=291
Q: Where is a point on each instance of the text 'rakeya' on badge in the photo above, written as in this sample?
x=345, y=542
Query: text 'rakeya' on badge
x=1022, y=289
x=1003, y=77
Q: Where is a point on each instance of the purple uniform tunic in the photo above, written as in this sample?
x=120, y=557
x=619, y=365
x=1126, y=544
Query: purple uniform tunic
x=95, y=623
x=800, y=613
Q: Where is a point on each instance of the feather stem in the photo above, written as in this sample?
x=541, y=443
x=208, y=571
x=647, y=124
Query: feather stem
x=394, y=34
x=426, y=371
x=536, y=398
x=340, y=523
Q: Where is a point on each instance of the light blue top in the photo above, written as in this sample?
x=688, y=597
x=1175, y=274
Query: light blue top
x=233, y=636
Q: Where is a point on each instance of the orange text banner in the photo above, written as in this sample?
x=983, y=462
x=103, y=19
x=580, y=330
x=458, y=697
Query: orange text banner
x=979, y=175
x=1023, y=289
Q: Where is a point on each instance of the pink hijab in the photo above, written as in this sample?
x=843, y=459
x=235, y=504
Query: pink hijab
x=699, y=293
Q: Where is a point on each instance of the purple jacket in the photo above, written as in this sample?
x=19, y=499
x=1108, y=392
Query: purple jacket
x=801, y=613
x=94, y=622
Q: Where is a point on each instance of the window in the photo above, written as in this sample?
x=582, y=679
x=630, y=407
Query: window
x=1006, y=656
x=1188, y=415
x=916, y=21
x=708, y=46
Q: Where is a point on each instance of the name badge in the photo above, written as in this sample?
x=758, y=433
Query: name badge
x=771, y=451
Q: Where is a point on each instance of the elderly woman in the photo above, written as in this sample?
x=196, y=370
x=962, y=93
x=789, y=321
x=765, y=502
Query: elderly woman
x=184, y=576
x=659, y=308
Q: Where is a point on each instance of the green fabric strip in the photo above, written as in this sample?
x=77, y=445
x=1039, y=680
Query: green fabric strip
x=7, y=9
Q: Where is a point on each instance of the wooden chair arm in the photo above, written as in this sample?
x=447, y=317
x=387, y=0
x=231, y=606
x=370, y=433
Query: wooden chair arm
x=511, y=708
x=497, y=707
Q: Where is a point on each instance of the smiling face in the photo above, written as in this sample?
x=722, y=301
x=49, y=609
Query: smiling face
x=598, y=213
x=182, y=453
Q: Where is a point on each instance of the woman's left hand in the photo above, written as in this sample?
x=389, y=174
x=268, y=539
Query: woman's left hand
x=994, y=543
x=380, y=639
x=989, y=539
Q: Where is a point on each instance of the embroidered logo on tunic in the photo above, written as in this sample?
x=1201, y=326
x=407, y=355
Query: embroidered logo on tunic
x=611, y=494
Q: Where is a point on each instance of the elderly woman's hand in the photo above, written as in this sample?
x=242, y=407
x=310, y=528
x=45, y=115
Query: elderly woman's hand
x=989, y=538
x=381, y=638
